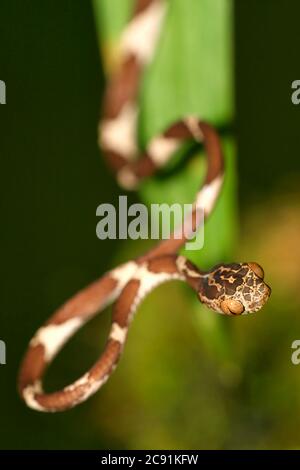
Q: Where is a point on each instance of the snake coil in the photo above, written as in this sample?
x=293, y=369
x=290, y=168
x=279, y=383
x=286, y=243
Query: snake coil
x=231, y=289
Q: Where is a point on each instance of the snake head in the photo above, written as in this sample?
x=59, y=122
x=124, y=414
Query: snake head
x=235, y=289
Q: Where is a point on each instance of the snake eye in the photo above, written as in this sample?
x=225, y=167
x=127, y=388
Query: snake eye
x=257, y=269
x=232, y=307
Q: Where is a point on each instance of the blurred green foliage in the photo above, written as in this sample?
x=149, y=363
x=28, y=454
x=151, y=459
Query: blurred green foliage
x=191, y=74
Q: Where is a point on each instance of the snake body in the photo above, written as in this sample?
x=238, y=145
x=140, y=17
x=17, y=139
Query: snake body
x=231, y=289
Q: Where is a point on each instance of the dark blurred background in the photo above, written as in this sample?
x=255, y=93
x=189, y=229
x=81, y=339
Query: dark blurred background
x=52, y=180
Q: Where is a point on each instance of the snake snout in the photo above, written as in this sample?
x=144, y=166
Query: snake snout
x=260, y=298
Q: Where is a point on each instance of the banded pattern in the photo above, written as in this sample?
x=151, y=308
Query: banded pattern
x=232, y=289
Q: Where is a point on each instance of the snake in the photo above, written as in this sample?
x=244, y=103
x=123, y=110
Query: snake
x=232, y=289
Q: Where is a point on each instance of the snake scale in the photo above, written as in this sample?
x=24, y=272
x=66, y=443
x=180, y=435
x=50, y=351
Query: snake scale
x=231, y=289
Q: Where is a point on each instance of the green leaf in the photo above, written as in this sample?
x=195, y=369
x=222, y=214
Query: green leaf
x=191, y=74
